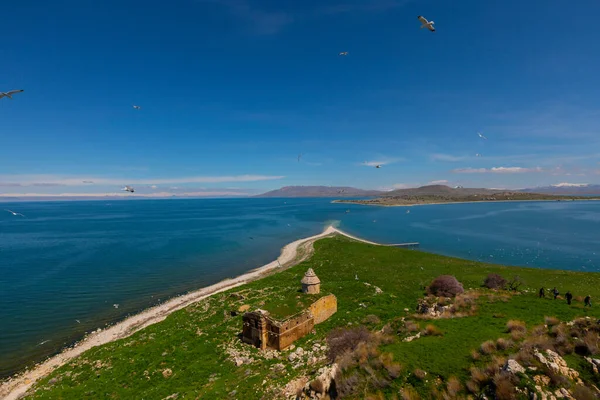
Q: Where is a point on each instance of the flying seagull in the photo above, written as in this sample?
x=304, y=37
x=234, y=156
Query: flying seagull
x=137, y=107
x=481, y=136
x=477, y=155
x=16, y=214
x=426, y=24
x=9, y=94
x=128, y=189
x=343, y=53
x=378, y=166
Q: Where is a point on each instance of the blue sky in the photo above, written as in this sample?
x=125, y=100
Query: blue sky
x=233, y=90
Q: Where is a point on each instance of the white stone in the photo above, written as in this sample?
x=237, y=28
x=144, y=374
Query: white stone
x=513, y=367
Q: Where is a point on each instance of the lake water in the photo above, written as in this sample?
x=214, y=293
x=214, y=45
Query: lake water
x=65, y=266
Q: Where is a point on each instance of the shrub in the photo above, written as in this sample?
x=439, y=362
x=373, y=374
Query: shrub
x=445, y=285
x=504, y=344
x=592, y=341
x=393, y=370
x=411, y=326
x=551, y=321
x=317, y=386
x=419, y=373
x=473, y=386
x=516, y=326
x=346, y=385
x=478, y=375
x=517, y=335
x=453, y=386
x=515, y=283
x=581, y=392
x=342, y=340
x=409, y=393
x=372, y=319
x=432, y=330
x=475, y=355
x=487, y=347
x=494, y=281
x=504, y=384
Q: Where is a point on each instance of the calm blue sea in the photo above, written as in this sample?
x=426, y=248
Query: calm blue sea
x=72, y=261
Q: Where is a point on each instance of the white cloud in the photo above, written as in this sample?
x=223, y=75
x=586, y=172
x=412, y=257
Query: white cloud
x=446, y=157
x=383, y=161
x=57, y=180
x=213, y=193
x=153, y=187
x=496, y=170
x=567, y=184
x=439, y=182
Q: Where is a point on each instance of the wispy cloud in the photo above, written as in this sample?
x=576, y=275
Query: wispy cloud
x=212, y=193
x=54, y=180
x=496, y=170
x=447, y=157
x=439, y=182
x=262, y=22
x=381, y=161
x=567, y=184
x=360, y=6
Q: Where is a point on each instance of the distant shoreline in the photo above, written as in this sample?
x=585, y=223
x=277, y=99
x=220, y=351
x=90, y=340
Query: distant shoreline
x=456, y=202
x=16, y=386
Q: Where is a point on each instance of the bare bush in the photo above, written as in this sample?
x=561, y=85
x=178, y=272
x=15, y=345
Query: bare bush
x=432, y=330
x=347, y=385
x=487, y=347
x=453, y=386
x=551, y=321
x=372, y=319
x=516, y=326
x=341, y=340
x=409, y=393
x=494, y=281
x=445, y=285
x=317, y=386
x=504, y=344
x=515, y=283
x=581, y=392
x=504, y=384
x=420, y=374
x=411, y=326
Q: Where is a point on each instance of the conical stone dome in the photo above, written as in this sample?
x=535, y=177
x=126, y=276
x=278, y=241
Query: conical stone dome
x=310, y=278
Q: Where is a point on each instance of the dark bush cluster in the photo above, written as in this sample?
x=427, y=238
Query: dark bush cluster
x=494, y=281
x=446, y=286
x=361, y=364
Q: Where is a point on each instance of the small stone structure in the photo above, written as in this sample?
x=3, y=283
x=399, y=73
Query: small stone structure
x=311, y=283
x=265, y=332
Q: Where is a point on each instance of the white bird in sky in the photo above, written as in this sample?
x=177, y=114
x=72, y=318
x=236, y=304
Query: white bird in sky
x=343, y=53
x=477, y=155
x=115, y=305
x=481, y=136
x=9, y=93
x=378, y=166
x=128, y=189
x=426, y=24
x=137, y=107
x=16, y=214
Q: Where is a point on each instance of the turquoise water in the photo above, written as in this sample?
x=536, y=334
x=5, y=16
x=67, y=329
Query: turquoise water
x=72, y=261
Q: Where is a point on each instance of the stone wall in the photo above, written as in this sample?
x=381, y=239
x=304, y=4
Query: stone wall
x=323, y=308
x=263, y=332
x=293, y=329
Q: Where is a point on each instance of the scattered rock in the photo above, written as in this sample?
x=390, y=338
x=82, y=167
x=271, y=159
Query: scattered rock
x=167, y=373
x=244, y=308
x=513, y=367
x=172, y=397
x=292, y=356
x=232, y=393
x=411, y=338
x=292, y=347
x=595, y=363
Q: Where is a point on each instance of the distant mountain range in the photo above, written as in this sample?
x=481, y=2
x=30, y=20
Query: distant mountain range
x=566, y=189
x=320, y=191
x=430, y=190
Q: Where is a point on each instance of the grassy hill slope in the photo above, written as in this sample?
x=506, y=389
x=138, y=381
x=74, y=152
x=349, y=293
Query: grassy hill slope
x=193, y=353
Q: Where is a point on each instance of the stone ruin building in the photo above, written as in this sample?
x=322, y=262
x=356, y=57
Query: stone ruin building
x=262, y=331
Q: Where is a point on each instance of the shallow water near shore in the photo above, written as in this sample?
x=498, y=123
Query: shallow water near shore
x=71, y=267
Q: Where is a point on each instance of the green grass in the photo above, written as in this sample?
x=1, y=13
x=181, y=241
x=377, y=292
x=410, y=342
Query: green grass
x=191, y=342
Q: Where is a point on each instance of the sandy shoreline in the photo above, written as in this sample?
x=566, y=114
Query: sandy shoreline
x=291, y=254
x=453, y=202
